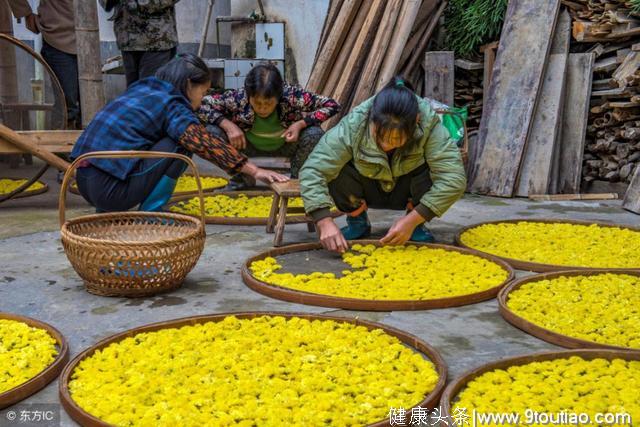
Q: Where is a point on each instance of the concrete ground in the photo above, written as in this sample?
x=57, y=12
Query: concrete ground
x=36, y=280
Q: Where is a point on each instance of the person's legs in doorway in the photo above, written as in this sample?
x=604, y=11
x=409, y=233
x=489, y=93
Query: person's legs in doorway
x=131, y=65
x=65, y=67
x=150, y=61
x=309, y=138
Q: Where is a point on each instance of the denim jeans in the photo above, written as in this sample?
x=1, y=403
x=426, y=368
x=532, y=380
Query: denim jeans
x=65, y=67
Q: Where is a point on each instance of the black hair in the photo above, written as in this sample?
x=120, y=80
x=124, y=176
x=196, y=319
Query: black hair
x=184, y=68
x=395, y=107
x=264, y=80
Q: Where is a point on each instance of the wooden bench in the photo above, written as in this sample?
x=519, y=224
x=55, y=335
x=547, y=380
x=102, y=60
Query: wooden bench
x=280, y=207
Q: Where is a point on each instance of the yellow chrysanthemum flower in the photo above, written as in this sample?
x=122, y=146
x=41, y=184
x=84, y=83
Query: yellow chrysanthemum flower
x=558, y=243
x=603, y=308
x=8, y=185
x=267, y=371
x=392, y=273
x=25, y=351
x=188, y=183
x=241, y=206
x=571, y=385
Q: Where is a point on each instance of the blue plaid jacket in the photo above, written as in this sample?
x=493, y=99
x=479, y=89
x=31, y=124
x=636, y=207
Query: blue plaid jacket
x=150, y=110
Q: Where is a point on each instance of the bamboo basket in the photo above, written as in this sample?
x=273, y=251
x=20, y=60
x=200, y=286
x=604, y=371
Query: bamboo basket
x=546, y=334
x=49, y=374
x=540, y=267
x=87, y=420
x=131, y=254
x=454, y=388
x=308, y=298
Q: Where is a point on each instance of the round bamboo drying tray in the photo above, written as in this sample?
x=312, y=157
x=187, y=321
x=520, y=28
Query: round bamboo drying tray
x=221, y=220
x=73, y=188
x=131, y=254
x=29, y=193
x=308, y=298
x=540, y=267
x=546, y=334
x=85, y=419
x=49, y=374
x=454, y=388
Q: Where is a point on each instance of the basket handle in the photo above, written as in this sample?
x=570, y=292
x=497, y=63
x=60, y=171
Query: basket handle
x=126, y=154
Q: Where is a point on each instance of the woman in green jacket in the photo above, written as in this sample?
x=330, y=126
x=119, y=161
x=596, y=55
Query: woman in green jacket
x=390, y=152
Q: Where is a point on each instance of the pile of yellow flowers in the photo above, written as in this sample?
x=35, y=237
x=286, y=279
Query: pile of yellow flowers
x=572, y=385
x=266, y=371
x=241, y=206
x=558, y=243
x=392, y=273
x=603, y=308
x=25, y=351
x=188, y=183
x=7, y=185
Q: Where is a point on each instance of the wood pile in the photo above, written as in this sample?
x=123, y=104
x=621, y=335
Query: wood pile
x=609, y=30
x=364, y=43
x=468, y=92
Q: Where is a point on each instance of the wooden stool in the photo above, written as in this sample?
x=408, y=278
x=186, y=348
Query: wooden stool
x=280, y=208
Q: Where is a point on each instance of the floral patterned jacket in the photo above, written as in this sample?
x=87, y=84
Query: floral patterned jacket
x=295, y=104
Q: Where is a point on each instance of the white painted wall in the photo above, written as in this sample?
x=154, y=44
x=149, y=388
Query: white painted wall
x=303, y=25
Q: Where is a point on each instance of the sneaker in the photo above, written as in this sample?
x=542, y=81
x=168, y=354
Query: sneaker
x=422, y=234
x=358, y=227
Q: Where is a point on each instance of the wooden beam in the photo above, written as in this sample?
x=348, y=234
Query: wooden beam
x=537, y=161
x=576, y=112
x=469, y=65
x=509, y=110
x=367, y=83
x=27, y=146
x=424, y=40
x=628, y=68
x=632, y=196
x=562, y=36
x=55, y=141
x=332, y=45
x=408, y=14
x=439, y=76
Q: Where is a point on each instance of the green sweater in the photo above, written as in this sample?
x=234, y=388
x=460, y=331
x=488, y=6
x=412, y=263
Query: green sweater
x=350, y=140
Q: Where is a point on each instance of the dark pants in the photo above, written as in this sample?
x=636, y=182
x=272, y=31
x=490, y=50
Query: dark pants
x=350, y=189
x=110, y=194
x=65, y=67
x=297, y=152
x=141, y=64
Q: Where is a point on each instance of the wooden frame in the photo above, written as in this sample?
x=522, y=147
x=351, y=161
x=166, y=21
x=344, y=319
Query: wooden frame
x=49, y=374
x=540, y=267
x=453, y=389
x=546, y=334
x=85, y=419
x=309, y=298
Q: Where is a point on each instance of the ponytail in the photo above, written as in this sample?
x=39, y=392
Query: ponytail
x=395, y=107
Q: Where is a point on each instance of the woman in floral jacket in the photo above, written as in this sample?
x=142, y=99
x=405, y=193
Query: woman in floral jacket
x=268, y=118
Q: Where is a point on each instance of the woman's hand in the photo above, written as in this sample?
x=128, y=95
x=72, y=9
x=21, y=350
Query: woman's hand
x=292, y=134
x=235, y=134
x=331, y=237
x=402, y=228
x=269, y=177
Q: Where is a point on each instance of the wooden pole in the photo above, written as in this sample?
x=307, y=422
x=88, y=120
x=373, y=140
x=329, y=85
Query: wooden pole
x=439, y=76
x=23, y=143
x=347, y=50
x=89, y=59
x=408, y=14
x=367, y=84
x=331, y=47
x=422, y=45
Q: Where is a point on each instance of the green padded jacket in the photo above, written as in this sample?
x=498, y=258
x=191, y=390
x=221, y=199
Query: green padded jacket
x=351, y=141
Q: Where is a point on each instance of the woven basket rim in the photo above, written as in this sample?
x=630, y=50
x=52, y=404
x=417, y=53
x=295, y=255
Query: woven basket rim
x=548, y=335
x=454, y=387
x=44, y=377
x=541, y=267
x=416, y=344
x=322, y=300
x=65, y=230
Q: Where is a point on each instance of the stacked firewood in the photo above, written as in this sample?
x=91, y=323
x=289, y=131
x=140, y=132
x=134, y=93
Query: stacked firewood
x=469, y=93
x=611, y=31
x=365, y=43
